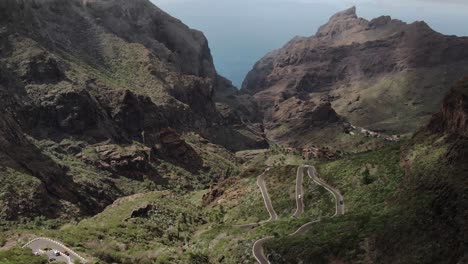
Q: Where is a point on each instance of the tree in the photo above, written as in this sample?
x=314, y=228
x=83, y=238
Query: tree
x=366, y=177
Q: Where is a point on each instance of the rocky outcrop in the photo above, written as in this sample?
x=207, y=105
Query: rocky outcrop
x=142, y=212
x=73, y=113
x=300, y=122
x=174, y=148
x=453, y=117
x=384, y=75
x=131, y=160
x=48, y=184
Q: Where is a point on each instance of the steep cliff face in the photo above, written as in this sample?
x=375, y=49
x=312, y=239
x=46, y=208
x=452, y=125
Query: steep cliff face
x=73, y=60
x=95, y=84
x=32, y=183
x=383, y=74
x=453, y=117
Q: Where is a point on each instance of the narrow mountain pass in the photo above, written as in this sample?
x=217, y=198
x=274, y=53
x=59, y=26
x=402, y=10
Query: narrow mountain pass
x=257, y=249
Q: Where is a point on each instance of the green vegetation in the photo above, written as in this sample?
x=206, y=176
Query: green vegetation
x=168, y=227
x=135, y=228
x=14, y=184
x=2, y=239
x=173, y=212
x=366, y=208
x=367, y=179
x=392, y=102
x=20, y=256
x=432, y=204
x=174, y=227
x=243, y=202
x=390, y=218
x=281, y=185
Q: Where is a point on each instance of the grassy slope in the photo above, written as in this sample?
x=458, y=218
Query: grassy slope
x=431, y=226
x=149, y=238
x=398, y=103
x=365, y=181
x=116, y=236
x=233, y=245
x=418, y=218
x=20, y=256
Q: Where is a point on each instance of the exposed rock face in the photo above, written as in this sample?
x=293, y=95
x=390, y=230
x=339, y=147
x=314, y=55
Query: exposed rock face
x=33, y=184
x=131, y=160
x=19, y=154
x=176, y=149
x=453, y=117
x=109, y=75
x=70, y=113
x=143, y=211
x=73, y=61
x=299, y=122
x=383, y=74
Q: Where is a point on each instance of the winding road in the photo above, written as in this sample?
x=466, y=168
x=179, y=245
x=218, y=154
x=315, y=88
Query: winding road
x=299, y=192
x=340, y=207
x=257, y=248
x=39, y=244
x=266, y=197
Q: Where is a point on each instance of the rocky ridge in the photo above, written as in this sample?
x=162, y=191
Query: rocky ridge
x=383, y=75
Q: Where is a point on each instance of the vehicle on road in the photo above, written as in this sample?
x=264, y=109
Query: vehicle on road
x=36, y=253
x=66, y=253
x=52, y=259
x=341, y=202
x=299, y=196
x=56, y=253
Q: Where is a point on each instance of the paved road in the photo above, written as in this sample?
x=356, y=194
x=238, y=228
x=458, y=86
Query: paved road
x=339, y=200
x=267, y=202
x=299, y=192
x=38, y=244
x=258, y=252
x=266, y=196
x=257, y=249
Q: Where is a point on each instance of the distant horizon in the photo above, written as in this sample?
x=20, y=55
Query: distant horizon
x=242, y=32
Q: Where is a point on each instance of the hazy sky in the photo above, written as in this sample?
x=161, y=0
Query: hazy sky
x=241, y=31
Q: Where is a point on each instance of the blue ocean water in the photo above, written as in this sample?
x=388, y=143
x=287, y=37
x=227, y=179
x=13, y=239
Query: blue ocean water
x=241, y=32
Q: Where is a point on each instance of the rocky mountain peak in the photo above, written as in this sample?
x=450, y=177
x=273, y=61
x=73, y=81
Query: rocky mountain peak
x=348, y=13
x=340, y=22
x=355, y=63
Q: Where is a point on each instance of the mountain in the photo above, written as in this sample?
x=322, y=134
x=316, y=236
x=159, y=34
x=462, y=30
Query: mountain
x=119, y=139
x=384, y=75
x=111, y=87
